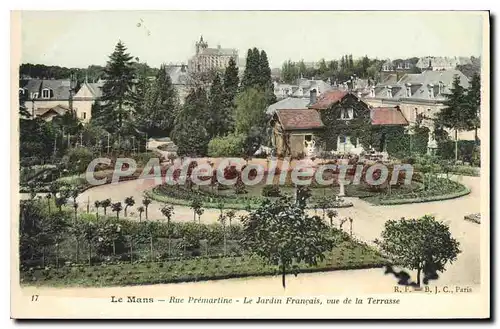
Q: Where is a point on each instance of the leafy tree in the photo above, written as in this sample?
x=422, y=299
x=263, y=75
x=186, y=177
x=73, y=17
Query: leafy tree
x=129, y=202
x=454, y=115
x=250, y=110
x=117, y=207
x=105, y=204
x=117, y=96
x=331, y=214
x=289, y=72
x=196, y=206
x=231, y=214
x=140, y=210
x=423, y=244
x=284, y=234
x=146, y=202
x=168, y=212
x=97, y=204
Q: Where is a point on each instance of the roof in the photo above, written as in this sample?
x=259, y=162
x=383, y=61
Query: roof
x=328, y=98
x=298, y=119
x=305, y=86
x=288, y=103
x=60, y=88
x=420, y=83
x=387, y=116
x=219, y=51
x=178, y=74
x=95, y=88
x=58, y=109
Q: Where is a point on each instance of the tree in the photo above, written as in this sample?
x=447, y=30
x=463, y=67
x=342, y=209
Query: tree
x=140, y=210
x=97, y=204
x=473, y=99
x=190, y=133
x=231, y=214
x=196, y=206
x=117, y=207
x=231, y=83
x=105, y=204
x=454, y=115
x=251, y=74
x=265, y=82
x=284, y=234
x=331, y=214
x=146, y=202
x=117, y=96
x=220, y=118
x=168, y=212
x=160, y=105
x=250, y=111
x=423, y=244
x=129, y=202
x=60, y=201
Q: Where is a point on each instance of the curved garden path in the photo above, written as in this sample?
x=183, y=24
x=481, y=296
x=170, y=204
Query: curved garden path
x=368, y=220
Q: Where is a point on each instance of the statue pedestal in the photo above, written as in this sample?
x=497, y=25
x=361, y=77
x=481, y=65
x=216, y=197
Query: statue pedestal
x=342, y=190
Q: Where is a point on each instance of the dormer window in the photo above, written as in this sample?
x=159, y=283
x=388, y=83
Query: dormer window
x=21, y=91
x=372, y=92
x=46, y=93
x=408, y=92
x=431, y=91
x=34, y=95
x=389, y=92
x=347, y=114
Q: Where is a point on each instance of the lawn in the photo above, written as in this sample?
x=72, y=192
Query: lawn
x=348, y=254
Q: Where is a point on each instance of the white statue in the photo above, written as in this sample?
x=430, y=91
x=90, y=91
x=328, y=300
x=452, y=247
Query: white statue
x=310, y=148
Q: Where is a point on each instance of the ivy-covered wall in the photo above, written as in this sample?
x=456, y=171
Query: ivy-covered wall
x=335, y=127
x=397, y=142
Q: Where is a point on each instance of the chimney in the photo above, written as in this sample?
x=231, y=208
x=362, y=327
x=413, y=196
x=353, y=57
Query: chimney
x=312, y=96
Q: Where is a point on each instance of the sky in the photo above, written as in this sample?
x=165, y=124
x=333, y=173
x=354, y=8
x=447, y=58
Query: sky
x=83, y=38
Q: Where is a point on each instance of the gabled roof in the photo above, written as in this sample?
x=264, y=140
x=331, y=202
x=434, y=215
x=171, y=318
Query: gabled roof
x=328, y=99
x=58, y=109
x=387, y=116
x=299, y=119
x=288, y=103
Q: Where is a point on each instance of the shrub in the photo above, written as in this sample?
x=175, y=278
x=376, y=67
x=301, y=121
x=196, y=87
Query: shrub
x=271, y=191
x=231, y=145
x=77, y=159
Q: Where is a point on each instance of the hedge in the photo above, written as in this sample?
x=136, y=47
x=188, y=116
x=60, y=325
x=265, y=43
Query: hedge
x=455, y=195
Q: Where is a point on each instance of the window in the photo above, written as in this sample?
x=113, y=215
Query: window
x=34, y=95
x=431, y=92
x=347, y=114
x=408, y=91
x=342, y=139
x=46, y=93
x=389, y=92
x=372, y=92
x=84, y=115
x=21, y=91
x=308, y=138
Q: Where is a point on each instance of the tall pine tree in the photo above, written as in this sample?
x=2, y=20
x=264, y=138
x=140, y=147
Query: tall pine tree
x=190, y=133
x=231, y=81
x=453, y=116
x=117, y=91
x=473, y=99
x=220, y=119
x=160, y=106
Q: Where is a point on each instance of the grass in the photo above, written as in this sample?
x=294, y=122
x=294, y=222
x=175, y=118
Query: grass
x=348, y=254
